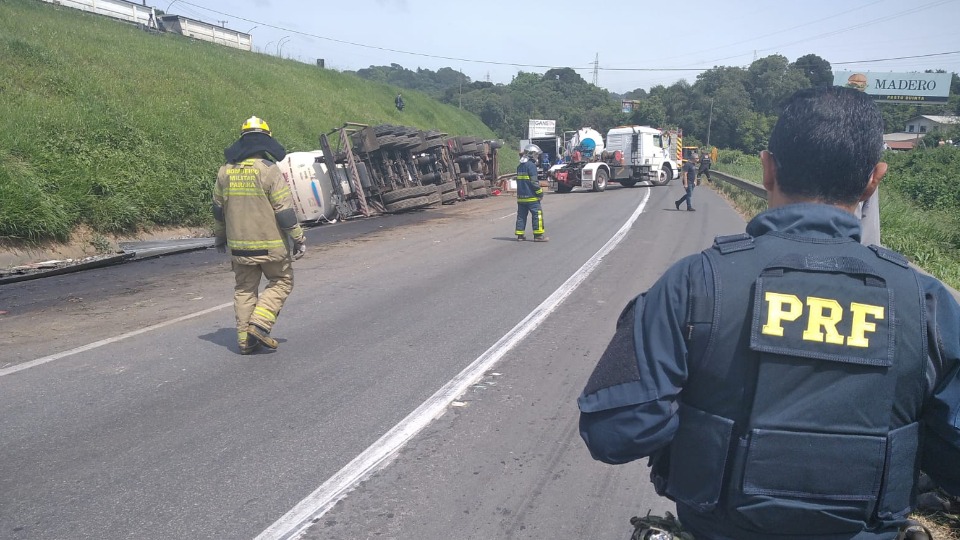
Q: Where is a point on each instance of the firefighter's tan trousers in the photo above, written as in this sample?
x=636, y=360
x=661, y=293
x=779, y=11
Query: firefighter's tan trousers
x=254, y=307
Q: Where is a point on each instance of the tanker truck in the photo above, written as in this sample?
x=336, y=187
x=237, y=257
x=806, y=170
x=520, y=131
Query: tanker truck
x=632, y=154
x=581, y=165
x=368, y=170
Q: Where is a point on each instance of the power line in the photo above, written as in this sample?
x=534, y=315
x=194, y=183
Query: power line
x=779, y=32
x=594, y=66
x=857, y=26
x=895, y=58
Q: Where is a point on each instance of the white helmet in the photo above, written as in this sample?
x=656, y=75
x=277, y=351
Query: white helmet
x=532, y=151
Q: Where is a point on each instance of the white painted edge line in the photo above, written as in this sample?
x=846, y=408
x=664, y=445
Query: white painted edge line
x=107, y=341
x=295, y=522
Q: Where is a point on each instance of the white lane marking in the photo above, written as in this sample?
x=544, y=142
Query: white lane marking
x=508, y=215
x=102, y=342
x=295, y=522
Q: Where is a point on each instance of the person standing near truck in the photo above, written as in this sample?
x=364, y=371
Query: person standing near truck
x=705, y=162
x=529, y=195
x=688, y=173
x=255, y=220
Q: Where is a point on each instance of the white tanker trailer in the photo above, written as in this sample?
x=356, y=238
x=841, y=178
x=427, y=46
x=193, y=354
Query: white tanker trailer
x=311, y=186
x=581, y=165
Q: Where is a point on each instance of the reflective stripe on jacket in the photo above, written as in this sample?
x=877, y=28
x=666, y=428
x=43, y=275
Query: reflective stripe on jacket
x=248, y=199
x=528, y=186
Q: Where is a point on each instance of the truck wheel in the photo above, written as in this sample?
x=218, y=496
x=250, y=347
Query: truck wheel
x=409, y=204
x=600, y=183
x=563, y=188
x=628, y=183
x=407, y=193
x=449, y=197
x=447, y=187
x=663, y=177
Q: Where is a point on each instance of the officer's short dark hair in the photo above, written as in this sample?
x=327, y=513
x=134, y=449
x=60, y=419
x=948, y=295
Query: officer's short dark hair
x=826, y=142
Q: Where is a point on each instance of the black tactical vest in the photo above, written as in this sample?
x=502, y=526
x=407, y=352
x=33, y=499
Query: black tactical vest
x=800, y=412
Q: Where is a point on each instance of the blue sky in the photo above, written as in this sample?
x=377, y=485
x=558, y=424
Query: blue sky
x=658, y=43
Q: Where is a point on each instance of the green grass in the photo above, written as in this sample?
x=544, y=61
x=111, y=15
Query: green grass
x=121, y=130
x=929, y=237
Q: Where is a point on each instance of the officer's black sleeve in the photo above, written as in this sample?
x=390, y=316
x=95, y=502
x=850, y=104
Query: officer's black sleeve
x=941, y=444
x=628, y=407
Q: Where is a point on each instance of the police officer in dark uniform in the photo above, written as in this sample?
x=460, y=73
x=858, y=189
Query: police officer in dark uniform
x=705, y=162
x=789, y=382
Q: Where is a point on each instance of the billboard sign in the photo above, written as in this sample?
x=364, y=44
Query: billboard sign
x=898, y=87
x=541, y=128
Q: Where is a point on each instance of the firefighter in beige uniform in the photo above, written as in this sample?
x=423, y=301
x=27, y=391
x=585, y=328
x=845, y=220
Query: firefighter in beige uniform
x=256, y=221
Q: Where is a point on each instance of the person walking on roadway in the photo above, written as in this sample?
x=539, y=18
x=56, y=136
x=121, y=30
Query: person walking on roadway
x=790, y=382
x=255, y=220
x=529, y=195
x=688, y=173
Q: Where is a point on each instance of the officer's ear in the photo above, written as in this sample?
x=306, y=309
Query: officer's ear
x=875, y=176
x=769, y=170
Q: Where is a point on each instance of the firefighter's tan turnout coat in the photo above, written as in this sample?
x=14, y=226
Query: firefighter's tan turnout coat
x=254, y=214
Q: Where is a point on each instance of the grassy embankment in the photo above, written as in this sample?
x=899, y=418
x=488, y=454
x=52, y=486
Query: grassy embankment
x=919, y=205
x=119, y=130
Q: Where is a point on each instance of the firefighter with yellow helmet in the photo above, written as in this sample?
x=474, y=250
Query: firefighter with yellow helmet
x=255, y=220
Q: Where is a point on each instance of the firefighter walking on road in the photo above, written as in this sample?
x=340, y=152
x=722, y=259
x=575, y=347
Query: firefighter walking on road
x=255, y=221
x=529, y=195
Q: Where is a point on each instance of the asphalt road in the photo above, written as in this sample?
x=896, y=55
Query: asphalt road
x=425, y=385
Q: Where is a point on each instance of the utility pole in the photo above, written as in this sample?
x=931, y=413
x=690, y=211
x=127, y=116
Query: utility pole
x=461, y=89
x=709, y=122
x=223, y=24
x=596, y=68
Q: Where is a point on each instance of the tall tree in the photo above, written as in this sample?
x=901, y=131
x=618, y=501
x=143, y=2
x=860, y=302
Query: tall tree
x=817, y=70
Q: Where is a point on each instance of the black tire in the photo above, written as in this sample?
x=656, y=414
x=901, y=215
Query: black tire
x=628, y=183
x=408, y=204
x=449, y=197
x=470, y=176
x=447, y=187
x=406, y=193
x=600, y=180
x=664, y=175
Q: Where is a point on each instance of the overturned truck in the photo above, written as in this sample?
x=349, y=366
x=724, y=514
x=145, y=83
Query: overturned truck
x=363, y=170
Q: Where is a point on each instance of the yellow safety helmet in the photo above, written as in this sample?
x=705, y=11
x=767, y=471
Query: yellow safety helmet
x=254, y=124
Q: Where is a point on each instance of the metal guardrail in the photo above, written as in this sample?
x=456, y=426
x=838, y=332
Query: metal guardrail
x=755, y=189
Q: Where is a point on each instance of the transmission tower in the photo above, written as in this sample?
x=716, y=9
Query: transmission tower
x=596, y=68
